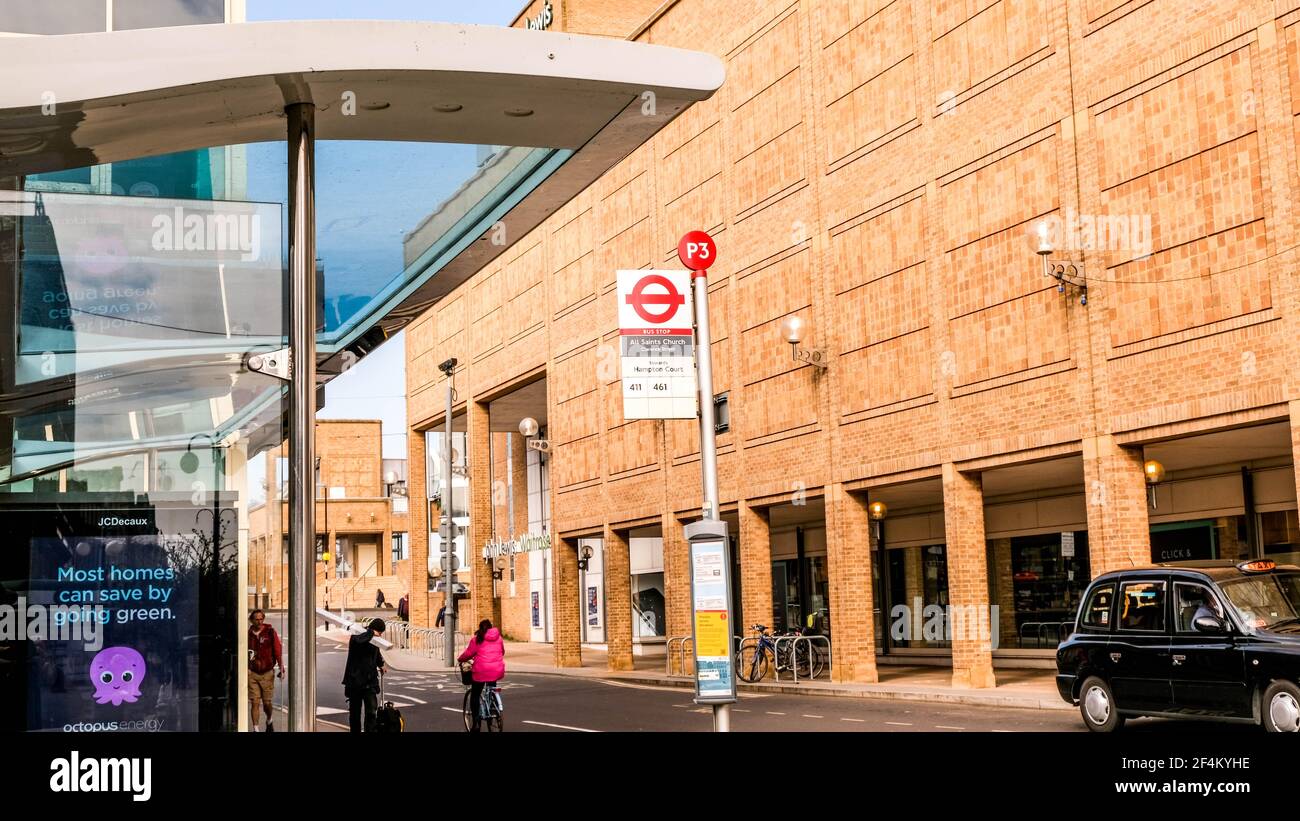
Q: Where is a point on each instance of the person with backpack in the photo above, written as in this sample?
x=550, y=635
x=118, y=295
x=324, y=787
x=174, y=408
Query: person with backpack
x=489, y=654
x=361, y=677
x=263, y=659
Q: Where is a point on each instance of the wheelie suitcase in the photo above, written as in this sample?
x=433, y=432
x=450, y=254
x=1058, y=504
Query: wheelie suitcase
x=388, y=719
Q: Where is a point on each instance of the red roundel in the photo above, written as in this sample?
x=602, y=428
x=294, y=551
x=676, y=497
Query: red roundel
x=697, y=251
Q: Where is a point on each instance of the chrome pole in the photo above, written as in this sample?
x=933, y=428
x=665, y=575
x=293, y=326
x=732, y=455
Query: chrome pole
x=708, y=436
x=302, y=416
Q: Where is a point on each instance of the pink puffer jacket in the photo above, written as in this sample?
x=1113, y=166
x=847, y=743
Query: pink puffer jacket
x=489, y=657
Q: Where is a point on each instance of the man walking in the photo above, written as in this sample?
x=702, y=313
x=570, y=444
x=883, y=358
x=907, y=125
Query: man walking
x=361, y=677
x=263, y=659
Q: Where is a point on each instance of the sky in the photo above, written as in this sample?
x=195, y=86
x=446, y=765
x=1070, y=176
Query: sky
x=376, y=386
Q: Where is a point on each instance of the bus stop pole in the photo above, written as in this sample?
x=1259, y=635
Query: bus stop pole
x=708, y=434
x=302, y=416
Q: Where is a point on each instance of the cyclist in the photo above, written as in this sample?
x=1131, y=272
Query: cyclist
x=488, y=652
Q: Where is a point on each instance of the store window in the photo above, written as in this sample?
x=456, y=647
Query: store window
x=1279, y=536
x=918, y=596
x=1037, y=583
x=648, y=605
x=801, y=594
x=1223, y=537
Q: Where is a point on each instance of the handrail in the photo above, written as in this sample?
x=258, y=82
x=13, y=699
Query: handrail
x=359, y=580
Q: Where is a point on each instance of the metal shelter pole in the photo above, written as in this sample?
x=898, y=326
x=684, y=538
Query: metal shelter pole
x=302, y=416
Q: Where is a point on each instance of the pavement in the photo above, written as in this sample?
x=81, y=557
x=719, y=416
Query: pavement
x=1032, y=689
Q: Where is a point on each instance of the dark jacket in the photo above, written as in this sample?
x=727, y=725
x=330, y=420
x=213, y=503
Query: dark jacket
x=361, y=673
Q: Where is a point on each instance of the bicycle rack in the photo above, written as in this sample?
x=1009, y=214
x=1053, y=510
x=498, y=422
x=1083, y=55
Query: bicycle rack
x=680, y=642
x=794, y=640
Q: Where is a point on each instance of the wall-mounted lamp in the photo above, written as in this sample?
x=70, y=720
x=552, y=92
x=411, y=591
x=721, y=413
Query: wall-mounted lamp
x=1066, y=272
x=498, y=566
x=529, y=428
x=793, y=328
x=584, y=556
x=878, y=511
x=1155, y=474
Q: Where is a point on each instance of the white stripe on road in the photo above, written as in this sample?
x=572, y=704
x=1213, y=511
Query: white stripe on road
x=560, y=726
x=859, y=720
x=899, y=723
x=769, y=712
x=946, y=727
x=460, y=710
x=412, y=698
x=329, y=711
x=806, y=715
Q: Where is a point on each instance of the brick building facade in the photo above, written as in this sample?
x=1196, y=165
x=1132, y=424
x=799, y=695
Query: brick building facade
x=880, y=169
x=359, y=513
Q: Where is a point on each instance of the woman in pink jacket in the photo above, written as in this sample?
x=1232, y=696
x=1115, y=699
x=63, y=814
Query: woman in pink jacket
x=488, y=651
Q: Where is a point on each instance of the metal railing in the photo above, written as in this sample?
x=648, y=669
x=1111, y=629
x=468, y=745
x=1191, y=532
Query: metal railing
x=680, y=642
x=426, y=642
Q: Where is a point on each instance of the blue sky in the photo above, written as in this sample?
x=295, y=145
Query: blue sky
x=376, y=386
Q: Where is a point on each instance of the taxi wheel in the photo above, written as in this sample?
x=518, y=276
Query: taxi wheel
x=1097, y=706
x=1282, y=708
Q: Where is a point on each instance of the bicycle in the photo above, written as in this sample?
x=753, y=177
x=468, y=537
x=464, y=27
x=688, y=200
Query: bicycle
x=490, y=707
x=753, y=660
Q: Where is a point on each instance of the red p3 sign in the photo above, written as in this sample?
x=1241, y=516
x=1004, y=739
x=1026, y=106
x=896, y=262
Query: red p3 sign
x=697, y=251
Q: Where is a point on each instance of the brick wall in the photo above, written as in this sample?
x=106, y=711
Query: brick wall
x=877, y=167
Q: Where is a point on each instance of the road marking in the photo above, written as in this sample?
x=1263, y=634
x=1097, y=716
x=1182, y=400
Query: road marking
x=806, y=715
x=738, y=710
x=769, y=712
x=460, y=710
x=411, y=697
x=899, y=723
x=946, y=727
x=631, y=686
x=329, y=711
x=560, y=726
x=996, y=731
x=859, y=720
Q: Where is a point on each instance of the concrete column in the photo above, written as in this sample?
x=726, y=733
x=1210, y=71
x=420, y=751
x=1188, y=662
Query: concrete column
x=567, y=627
x=848, y=564
x=755, y=568
x=618, y=599
x=968, y=580
x=1119, y=533
x=418, y=568
x=482, y=604
x=677, y=583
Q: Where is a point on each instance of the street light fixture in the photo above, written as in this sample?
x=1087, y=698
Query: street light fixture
x=529, y=428
x=793, y=328
x=1066, y=272
x=584, y=557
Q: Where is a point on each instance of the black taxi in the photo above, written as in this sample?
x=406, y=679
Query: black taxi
x=1211, y=639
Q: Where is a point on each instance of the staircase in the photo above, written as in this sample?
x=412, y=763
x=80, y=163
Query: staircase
x=353, y=593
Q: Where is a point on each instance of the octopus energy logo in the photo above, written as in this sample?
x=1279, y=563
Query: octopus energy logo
x=53, y=622
x=116, y=673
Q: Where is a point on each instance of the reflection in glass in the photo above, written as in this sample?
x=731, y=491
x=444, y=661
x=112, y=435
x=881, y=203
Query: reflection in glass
x=64, y=17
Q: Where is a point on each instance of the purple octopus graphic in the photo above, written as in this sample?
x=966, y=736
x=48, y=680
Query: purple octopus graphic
x=116, y=673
